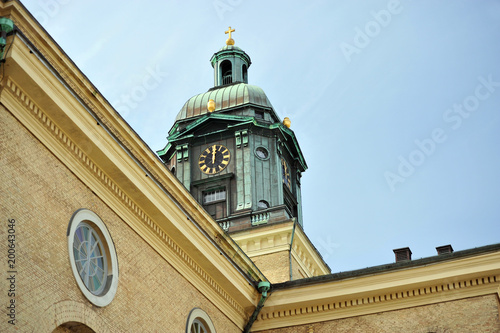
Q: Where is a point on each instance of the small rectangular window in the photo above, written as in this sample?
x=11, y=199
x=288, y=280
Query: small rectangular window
x=259, y=115
x=212, y=196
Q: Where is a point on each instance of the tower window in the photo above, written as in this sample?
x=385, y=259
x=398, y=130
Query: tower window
x=226, y=69
x=262, y=153
x=215, y=204
x=213, y=196
x=244, y=74
x=263, y=204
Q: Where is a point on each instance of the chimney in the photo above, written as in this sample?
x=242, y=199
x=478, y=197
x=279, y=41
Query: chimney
x=402, y=254
x=444, y=249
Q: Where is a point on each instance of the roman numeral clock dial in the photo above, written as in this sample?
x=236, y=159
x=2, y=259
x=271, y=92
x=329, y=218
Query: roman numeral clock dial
x=214, y=159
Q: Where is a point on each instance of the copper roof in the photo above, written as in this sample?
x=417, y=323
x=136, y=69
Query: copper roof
x=224, y=97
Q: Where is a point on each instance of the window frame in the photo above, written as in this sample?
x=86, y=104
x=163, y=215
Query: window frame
x=264, y=151
x=216, y=191
x=86, y=217
x=197, y=315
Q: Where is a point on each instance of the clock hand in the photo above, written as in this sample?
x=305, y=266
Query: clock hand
x=213, y=154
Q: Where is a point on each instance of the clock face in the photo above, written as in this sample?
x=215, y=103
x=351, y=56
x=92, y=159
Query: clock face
x=286, y=174
x=214, y=159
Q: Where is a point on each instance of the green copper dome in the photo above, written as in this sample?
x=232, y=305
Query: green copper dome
x=230, y=47
x=226, y=97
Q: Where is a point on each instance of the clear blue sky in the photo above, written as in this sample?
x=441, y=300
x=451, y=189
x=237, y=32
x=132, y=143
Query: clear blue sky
x=396, y=104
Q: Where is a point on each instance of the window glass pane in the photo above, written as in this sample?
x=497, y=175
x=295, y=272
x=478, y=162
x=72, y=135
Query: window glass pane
x=198, y=327
x=262, y=204
x=89, y=258
x=214, y=196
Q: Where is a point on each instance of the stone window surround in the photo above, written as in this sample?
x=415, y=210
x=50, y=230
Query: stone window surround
x=197, y=314
x=87, y=216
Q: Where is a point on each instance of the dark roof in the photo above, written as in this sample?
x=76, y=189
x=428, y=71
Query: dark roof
x=388, y=267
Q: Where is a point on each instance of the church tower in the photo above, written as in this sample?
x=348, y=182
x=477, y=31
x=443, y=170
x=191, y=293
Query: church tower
x=242, y=163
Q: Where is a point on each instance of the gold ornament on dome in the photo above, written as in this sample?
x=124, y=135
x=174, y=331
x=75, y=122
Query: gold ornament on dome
x=229, y=41
x=287, y=122
x=211, y=105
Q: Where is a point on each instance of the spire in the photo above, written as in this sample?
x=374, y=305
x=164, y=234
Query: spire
x=229, y=41
x=230, y=63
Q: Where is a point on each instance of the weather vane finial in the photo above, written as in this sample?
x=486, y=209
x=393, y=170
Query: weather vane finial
x=229, y=41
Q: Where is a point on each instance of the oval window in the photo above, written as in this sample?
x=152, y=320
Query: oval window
x=92, y=257
x=262, y=153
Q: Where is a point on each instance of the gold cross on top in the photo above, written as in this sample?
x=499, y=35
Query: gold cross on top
x=229, y=41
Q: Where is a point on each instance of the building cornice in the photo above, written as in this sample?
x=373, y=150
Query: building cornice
x=305, y=250
x=325, y=300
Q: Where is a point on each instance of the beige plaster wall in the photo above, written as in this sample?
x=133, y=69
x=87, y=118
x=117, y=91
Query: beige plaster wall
x=41, y=194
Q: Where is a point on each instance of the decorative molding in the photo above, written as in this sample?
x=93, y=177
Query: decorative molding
x=225, y=225
x=260, y=218
x=70, y=311
x=276, y=238
x=375, y=303
x=310, y=257
x=266, y=241
x=381, y=292
x=86, y=162
x=304, y=264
